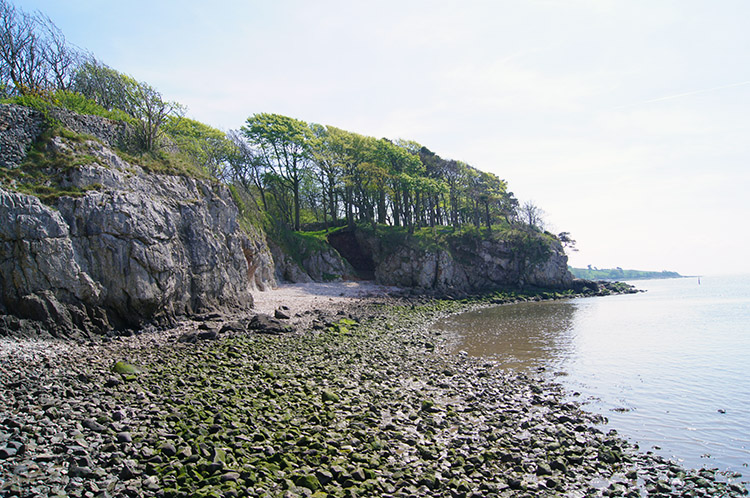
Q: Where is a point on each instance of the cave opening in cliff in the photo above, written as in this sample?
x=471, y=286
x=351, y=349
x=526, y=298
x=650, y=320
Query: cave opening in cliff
x=346, y=243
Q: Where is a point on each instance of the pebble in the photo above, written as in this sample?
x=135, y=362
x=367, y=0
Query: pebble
x=168, y=450
x=368, y=405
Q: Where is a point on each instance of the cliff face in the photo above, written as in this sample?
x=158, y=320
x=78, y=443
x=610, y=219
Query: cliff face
x=324, y=264
x=131, y=246
x=468, y=263
x=136, y=247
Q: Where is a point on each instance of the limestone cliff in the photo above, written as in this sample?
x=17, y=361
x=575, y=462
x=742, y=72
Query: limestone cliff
x=107, y=245
x=321, y=263
x=461, y=263
x=133, y=247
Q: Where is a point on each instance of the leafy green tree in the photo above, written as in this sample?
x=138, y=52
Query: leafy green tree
x=396, y=160
x=490, y=191
x=206, y=147
x=364, y=176
x=114, y=90
x=509, y=208
x=284, y=146
x=151, y=112
x=404, y=166
x=567, y=241
x=347, y=148
x=247, y=167
x=104, y=85
x=328, y=170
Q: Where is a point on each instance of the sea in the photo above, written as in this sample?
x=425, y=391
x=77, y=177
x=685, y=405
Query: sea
x=669, y=367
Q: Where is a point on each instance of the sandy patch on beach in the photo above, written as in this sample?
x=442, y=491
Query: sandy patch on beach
x=318, y=295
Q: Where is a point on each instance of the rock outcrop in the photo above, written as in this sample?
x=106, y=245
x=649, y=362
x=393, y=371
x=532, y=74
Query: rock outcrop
x=134, y=247
x=114, y=246
x=322, y=264
x=464, y=264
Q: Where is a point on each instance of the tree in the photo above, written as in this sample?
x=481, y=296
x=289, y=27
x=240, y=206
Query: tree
x=404, y=165
x=60, y=58
x=567, y=241
x=104, y=85
x=206, y=147
x=34, y=56
x=247, y=167
x=284, y=146
x=532, y=215
x=20, y=50
x=114, y=90
x=329, y=170
x=509, y=208
x=151, y=112
x=347, y=147
x=493, y=191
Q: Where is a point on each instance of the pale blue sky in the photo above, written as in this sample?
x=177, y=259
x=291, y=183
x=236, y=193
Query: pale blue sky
x=626, y=121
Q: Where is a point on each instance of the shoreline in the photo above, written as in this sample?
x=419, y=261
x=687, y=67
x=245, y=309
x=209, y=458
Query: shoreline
x=374, y=404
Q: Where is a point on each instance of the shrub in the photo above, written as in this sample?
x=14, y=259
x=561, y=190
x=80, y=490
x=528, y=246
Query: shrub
x=82, y=105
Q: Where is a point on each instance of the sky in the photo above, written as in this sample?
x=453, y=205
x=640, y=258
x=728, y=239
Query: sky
x=626, y=121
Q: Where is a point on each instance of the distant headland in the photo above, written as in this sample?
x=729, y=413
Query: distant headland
x=592, y=273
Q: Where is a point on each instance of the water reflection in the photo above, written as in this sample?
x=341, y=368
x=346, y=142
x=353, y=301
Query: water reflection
x=520, y=336
x=668, y=367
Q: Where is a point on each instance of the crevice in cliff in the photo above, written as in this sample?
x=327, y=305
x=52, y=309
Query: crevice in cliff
x=345, y=242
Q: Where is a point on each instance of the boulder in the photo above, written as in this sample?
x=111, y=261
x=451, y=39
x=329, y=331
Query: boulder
x=265, y=324
x=281, y=314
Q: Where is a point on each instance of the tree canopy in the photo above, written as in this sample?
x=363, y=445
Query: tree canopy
x=312, y=173
x=300, y=174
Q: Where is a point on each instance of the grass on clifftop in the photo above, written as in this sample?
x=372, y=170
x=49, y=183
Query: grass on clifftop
x=298, y=245
x=43, y=171
x=168, y=160
x=71, y=101
x=164, y=163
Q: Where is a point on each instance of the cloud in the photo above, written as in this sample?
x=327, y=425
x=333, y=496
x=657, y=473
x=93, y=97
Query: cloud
x=684, y=94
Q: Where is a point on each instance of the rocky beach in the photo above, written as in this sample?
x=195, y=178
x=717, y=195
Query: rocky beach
x=353, y=395
x=252, y=308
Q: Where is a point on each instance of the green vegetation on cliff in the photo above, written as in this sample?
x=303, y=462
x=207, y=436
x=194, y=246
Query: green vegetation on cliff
x=620, y=274
x=44, y=172
x=301, y=177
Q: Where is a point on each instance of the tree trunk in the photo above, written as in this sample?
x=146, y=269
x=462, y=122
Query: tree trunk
x=396, y=208
x=381, y=207
x=349, y=207
x=296, y=206
x=332, y=200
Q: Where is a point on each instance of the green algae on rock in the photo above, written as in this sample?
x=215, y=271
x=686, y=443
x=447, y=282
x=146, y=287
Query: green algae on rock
x=245, y=415
x=125, y=368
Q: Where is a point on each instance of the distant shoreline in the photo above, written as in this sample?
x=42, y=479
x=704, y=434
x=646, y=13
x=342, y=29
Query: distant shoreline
x=618, y=274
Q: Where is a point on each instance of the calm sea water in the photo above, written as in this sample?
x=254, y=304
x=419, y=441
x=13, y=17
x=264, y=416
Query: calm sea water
x=669, y=368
